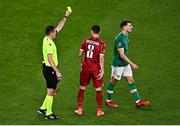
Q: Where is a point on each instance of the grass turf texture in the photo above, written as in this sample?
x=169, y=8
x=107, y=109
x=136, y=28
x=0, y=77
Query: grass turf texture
x=154, y=46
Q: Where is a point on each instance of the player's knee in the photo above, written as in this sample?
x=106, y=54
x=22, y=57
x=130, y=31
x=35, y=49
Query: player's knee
x=130, y=81
x=82, y=87
x=51, y=92
x=98, y=89
x=113, y=80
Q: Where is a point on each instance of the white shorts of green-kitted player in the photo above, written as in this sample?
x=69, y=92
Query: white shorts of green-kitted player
x=118, y=72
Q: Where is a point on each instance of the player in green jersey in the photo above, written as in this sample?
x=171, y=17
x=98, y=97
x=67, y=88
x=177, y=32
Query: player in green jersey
x=51, y=72
x=122, y=66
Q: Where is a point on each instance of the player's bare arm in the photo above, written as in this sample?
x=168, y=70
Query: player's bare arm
x=101, y=61
x=81, y=56
x=62, y=22
x=125, y=58
x=51, y=62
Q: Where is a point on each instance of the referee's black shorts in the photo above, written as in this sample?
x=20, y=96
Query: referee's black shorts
x=50, y=76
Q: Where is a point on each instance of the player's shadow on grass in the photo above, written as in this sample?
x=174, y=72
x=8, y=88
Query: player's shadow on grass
x=144, y=108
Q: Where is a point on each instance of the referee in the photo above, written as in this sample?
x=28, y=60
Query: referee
x=50, y=71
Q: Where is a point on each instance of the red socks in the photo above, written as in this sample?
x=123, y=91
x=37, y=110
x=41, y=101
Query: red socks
x=99, y=99
x=80, y=97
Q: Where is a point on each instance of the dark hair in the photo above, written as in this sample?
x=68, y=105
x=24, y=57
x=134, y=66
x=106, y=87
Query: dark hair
x=49, y=29
x=96, y=29
x=124, y=23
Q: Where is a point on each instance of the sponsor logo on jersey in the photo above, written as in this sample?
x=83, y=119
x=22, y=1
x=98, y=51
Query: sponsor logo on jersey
x=92, y=42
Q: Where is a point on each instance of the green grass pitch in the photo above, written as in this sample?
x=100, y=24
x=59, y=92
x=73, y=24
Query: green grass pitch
x=154, y=46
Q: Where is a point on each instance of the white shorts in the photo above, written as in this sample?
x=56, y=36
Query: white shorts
x=118, y=72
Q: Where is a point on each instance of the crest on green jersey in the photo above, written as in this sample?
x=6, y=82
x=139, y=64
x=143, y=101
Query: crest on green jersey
x=119, y=44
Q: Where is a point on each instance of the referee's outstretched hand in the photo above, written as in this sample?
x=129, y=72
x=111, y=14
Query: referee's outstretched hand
x=67, y=13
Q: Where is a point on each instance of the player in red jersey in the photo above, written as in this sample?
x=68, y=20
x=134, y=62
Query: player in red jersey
x=93, y=49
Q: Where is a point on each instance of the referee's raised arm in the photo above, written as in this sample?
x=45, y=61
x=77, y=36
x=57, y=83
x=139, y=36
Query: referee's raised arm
x=62, y=22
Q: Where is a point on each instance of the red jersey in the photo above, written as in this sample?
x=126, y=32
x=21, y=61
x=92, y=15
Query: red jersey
x=93, y=48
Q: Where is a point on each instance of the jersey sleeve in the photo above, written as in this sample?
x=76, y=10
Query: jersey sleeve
x=49, y=48
x=102, y=50
x=119, y=43
x=82, y=48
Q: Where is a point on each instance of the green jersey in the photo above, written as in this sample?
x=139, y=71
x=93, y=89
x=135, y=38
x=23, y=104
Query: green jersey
x=121, y=41
x=49, y=47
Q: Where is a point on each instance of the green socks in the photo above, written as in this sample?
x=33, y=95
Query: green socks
x=134, y=92
x=110, y=91
x=132, y=89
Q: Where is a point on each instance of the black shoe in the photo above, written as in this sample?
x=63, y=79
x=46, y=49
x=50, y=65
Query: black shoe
x=51, y=117
x=42, y=111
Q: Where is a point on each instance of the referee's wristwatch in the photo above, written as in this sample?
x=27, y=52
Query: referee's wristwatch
x=65, y=16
